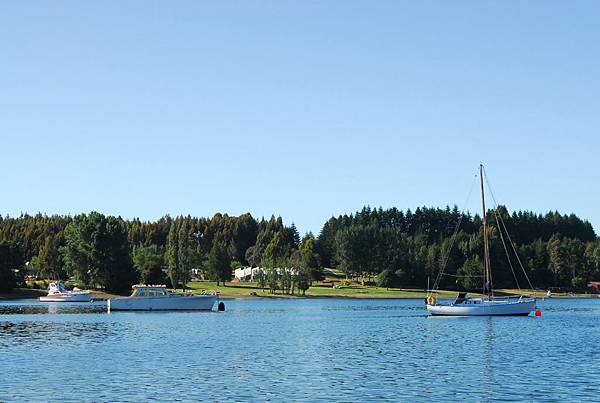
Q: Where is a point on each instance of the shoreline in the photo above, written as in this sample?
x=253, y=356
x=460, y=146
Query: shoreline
x=26, y=293
x=22, y=293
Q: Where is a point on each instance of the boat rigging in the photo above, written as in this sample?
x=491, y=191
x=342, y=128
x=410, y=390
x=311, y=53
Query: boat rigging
x=488, y=304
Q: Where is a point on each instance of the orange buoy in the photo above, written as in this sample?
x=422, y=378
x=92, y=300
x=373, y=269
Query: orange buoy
x=538, y=312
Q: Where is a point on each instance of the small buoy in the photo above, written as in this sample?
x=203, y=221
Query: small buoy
x=538, y=312
x=221, y=306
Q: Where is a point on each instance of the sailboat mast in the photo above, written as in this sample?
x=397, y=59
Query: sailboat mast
x=487, y=282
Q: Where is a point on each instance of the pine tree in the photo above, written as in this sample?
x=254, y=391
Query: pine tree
x=172, y=255
x=219, y=263
x=49, y=259
x=184, y=254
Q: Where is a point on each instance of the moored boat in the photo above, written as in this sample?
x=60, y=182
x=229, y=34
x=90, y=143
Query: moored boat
x=487, y=304
x=57, y=292
x=158, y=298
x=466, y=306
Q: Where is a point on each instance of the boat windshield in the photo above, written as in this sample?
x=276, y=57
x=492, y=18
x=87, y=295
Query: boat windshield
x=149, y=292
x=57, y=288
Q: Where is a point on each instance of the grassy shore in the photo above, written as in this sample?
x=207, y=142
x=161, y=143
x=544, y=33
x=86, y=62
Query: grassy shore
x=248, y=290
x=240, y=290
x=319, y=290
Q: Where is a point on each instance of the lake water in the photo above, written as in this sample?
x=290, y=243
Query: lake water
x=298, y=350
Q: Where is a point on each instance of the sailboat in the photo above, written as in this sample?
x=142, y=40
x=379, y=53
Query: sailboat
x=487, y=304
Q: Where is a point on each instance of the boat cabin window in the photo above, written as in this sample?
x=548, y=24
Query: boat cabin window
x=149, y=292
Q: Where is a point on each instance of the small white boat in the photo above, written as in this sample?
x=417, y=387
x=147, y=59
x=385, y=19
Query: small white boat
x=488, y=305
x=157, y=298
x=57, y=292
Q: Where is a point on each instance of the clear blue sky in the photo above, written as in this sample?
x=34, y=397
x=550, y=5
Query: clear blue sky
x=302, y=109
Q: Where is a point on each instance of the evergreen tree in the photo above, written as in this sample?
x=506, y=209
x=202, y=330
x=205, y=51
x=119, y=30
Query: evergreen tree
x=470, y=274
x=304, y=279
x=557, y=258
x=309, y=258
x=11, y=264
x=271, y=279
x=149, y=262
x=261, y=278
x=184, y=255
x=276, y=251
x=387, y=279
x=49, y=259
x=97, y=252
x=219, y=263
x=172, y=255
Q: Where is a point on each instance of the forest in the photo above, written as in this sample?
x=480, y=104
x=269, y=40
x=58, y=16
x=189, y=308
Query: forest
x=391, y=247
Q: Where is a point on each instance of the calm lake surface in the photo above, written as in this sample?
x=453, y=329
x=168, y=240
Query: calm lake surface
x=298, y=350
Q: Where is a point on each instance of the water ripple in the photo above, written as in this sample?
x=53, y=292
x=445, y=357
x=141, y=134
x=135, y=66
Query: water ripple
x=300, y=350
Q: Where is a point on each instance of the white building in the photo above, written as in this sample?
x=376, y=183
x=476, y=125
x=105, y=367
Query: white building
x=246, y=273
x=250, y=273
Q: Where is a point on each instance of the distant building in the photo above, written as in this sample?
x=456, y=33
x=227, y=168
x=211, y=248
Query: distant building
x=248, y=273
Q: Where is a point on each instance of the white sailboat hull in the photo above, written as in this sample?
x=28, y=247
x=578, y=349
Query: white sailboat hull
x=163, y=303
x=485, y=308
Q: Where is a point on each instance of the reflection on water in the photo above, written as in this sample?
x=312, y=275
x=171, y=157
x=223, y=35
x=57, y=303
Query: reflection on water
x=36, y=334
x=298, y=350
x=488, y=356
x=20, y=308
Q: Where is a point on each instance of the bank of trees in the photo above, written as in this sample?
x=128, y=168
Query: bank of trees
x=405, y=248
x=112, y=253
x=11, y=265
x=96, y=251
x=391, y=247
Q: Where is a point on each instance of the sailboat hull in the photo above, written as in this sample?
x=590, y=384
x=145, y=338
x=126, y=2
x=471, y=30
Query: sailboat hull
x=521, y=307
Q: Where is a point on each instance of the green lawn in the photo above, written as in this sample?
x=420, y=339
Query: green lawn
x=244, y=290
x=356, y=291
x=240, y=290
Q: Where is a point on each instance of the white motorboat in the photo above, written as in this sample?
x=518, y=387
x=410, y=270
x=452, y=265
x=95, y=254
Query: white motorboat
x=57, y=292
x=157, y=298
x=488, y=304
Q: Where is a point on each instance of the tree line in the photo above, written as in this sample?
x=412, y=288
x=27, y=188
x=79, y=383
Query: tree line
x=407, y=248
x=112, y=253
x=390, y=246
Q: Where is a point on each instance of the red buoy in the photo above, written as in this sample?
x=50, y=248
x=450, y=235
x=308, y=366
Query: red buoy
x=538, y=312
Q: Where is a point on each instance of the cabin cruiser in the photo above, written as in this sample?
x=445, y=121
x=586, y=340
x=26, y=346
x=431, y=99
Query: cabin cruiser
x=57, y=292
x=157, y=298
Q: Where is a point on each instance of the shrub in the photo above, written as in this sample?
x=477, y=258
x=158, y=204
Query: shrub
x=388, y=278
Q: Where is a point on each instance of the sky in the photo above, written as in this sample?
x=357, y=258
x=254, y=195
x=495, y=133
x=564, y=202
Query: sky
x=304, y=109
